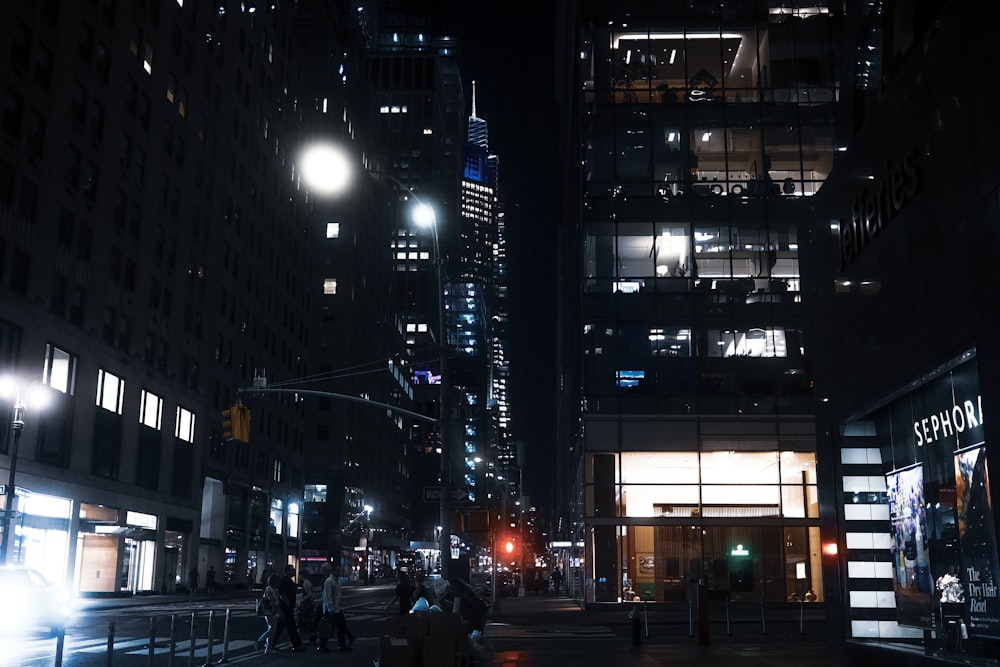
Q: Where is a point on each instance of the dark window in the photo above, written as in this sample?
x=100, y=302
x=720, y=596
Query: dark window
x=183, y=468
x=19, y=267
x=105, y=457
x=12, y=110
x=147, y=472
x=55, y=434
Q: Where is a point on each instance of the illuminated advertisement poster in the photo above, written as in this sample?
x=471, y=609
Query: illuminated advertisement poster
x=911, y=562
x=977, y=537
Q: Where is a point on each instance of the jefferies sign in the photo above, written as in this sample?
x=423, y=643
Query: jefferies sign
x=876, y=206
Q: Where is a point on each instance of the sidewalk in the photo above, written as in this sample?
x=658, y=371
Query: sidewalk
x=669, y=635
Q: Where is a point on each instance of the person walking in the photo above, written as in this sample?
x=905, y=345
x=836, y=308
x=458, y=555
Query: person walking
x=286, y=599
x=193, y=580
x=271, y=610
x=557, y=577
x=404, y=591
x=210, y=580
x=333, y=611
x=307, y=612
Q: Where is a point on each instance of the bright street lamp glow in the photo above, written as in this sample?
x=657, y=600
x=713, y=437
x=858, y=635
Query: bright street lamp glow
x=36, y=396
x=423, y=215
x=325, y=169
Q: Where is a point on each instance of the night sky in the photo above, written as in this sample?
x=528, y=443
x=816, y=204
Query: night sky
x=506, y=47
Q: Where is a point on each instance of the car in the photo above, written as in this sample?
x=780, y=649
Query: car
x=34, y=603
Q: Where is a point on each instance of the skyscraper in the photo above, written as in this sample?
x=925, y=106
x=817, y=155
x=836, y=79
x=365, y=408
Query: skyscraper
x=700, y=132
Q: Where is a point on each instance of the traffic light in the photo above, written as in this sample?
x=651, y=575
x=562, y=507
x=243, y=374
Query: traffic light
x=508, y=548
x=236, y=423
x=227, y=424
x=241, y=431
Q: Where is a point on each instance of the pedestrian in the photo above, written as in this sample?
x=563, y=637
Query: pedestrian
x=210, y=580
x=540, y=584
x=333, y=611
x=306, y=612
x=404, y=591
x=557, y=577
x=270, y=609
x=193, y=580
x=286, y=601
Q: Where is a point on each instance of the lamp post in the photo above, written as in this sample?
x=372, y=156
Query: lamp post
x=369, y=547
x=326, y=170
x=425, y=217
x=11, y=388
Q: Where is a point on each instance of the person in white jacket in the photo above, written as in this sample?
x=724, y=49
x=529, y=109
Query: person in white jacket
x=333, y=611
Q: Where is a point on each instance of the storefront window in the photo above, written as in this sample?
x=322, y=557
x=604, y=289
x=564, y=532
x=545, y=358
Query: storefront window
x=919, y=518
x=676, y=491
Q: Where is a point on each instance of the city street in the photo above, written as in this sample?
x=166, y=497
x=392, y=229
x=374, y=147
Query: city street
x=529, y=631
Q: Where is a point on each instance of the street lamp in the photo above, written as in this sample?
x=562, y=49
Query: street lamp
x=10, y=388
x=423, y=215
x=326, y=169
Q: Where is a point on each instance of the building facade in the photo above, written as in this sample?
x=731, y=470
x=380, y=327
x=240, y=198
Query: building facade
x=701, y=132
x=164, y=268
x=904, y=305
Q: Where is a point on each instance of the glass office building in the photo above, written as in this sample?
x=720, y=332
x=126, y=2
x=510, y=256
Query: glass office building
x=706, y=129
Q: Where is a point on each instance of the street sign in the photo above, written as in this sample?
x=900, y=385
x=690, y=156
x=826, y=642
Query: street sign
x=433, y=493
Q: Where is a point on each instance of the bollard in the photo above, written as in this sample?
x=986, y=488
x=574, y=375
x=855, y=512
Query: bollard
x=636, y=624
x=729, y=629
x=763, y=622
x=645, y=618
x=111, y=641
x=152, y=639
x=225, y=640
x=702, y=613
x=172, y=641
x=690, y=619
x=801, y=613
x=60, y=644
x=208, y=649
x=191, y=644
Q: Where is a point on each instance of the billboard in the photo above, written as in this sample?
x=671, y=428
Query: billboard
x=977, y=540
x=910, y=555
x=943, y=538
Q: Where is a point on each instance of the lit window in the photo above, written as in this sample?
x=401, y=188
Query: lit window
x=276, y=502
x=60, y=369
x=293, y=519
x=184, y=428
x=333, y=230
x=147, y=58
x=629, y=378
x=150, y=409
x=330, y=286
x=110, y=391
